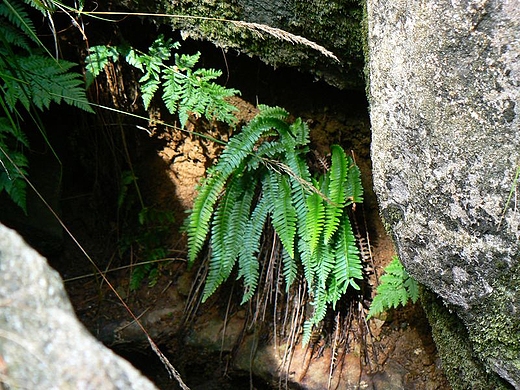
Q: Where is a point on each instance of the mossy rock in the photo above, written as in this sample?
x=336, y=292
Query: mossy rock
x=462, y=367
x=335, y=25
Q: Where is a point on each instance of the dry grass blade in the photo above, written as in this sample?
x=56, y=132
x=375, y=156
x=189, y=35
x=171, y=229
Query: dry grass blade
x=284, y=36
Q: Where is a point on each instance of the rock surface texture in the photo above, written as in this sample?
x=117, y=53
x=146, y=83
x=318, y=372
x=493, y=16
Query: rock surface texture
x=445, y=104
x=335, y=25
x=42, y=344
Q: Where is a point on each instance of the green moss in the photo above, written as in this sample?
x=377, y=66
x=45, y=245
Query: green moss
x=335, y=25
x=495, y=330
x=463, y=368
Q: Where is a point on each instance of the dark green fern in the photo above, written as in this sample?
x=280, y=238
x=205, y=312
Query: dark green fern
x=185, y=90
x=262, y=177
x=30, y=80
x=396, y=288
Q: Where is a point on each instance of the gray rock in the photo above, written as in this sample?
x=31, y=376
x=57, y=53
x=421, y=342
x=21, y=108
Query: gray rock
x=335, y=25
x=444, y=101
x=42, y=344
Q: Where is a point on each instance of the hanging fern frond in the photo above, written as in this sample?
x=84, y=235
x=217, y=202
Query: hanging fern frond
x=290, y=270
x=348, y=265
x=97, y=59
x=37, y=80
x=13, y=169
x=315, y=219
x=185, y=91
x=198, y=221
x=335, y=192
x=284, y=214
x=31, y=78
x=248, y=258
x=273, y=112
x=353, y=186
x=19, y=21
x=223, y=230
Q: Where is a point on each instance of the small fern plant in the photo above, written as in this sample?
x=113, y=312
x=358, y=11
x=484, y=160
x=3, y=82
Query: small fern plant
x=185, y=90
x=144, y=233
x=262, y=177
x=396, y=288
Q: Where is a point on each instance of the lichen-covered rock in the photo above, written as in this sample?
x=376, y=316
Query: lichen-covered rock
x=335, y=25
x=444, y=101
x=42, y=344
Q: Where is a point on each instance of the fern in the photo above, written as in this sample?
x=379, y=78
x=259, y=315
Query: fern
x=396, y=288
x=185, y=90
x=17, y=26
x=308, y=215
x=37, y=80
x=13, y=165
x=235, y=155
x=30, y=78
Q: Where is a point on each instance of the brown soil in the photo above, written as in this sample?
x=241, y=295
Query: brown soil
x=403, y=353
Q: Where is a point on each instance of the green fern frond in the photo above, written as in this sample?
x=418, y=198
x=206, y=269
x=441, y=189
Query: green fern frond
x=354, y=188
x=241, y=146
x=396, y=288
x=149, y=86
x=325, y=263
x=248, y=257
x=307, y=328
x=17, y=16
x=219, y=271
x=41, y=80
x=348, y=265
x=320, y=303
x=290, y=270
x=174, y=89
x=97, y=59
x=223, y=231
x=233, y=156
x=335, y=192
x=186, y=62
x=315, y=219
x=284, y=215
x=412, y=288
x=272, y=112
x=198, y=222
x=13, y=169
x=309, y=262
x=300, y=131
x=229, y=221
x=10, y=35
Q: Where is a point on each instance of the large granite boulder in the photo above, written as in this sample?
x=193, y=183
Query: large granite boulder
x=42, y=344
x=444, y=105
